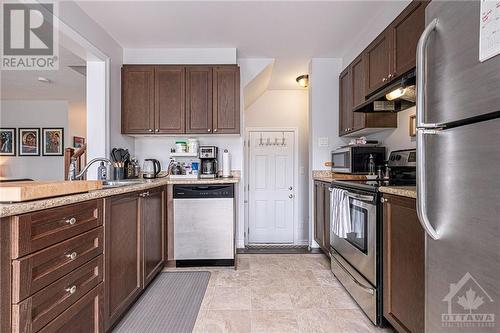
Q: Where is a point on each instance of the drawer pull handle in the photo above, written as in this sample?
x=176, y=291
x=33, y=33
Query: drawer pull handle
x=71, y=289
x=71, y=221
x=72, y=255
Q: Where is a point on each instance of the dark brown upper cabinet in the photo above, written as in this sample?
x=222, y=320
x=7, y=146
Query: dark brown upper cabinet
x=170, y=94
x=378, y=63
x=226, y=99
x=345, y=107
x=176, y=99
x=138, y=102
x=199, y=109
x=405, y=32
x=358, y=91
x=393, y=52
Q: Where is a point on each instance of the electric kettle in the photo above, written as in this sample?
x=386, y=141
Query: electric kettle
x=151, y=168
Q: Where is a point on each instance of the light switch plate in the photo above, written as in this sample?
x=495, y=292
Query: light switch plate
x=323, y=141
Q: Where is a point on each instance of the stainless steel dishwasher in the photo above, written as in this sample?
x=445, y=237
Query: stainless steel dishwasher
x=204, y=225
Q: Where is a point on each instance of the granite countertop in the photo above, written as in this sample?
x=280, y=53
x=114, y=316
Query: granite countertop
x=10, y=209
x=404, y=191
x=329, y=176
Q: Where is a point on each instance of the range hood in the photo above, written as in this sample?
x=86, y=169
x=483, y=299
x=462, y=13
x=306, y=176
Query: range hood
x=397, y=96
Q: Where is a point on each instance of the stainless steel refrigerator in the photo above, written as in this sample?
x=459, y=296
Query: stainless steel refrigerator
x=458, y=172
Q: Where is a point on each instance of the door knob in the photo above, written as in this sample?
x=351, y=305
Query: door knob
x=290, y=188
x=290, y=196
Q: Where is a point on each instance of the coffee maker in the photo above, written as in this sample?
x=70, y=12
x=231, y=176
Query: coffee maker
x=208, y=156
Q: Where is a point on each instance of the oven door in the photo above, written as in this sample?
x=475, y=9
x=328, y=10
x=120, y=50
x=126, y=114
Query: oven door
x=359, y=245
x=341, y=160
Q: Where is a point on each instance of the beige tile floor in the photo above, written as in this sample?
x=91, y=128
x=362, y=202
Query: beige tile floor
x=279, y=293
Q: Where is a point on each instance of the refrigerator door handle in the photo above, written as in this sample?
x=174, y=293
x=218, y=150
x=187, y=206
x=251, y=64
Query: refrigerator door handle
x=423, y=129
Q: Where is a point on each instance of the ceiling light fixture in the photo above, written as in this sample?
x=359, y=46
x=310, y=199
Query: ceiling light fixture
x=303, y=80
x=43, y=79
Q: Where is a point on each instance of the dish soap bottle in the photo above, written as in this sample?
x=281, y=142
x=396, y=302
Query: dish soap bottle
x=102, y=172
x=371, y=166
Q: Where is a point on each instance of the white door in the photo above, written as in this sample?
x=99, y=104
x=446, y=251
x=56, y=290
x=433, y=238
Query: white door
x=272, y=188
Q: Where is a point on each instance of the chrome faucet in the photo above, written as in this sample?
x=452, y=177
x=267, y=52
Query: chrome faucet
x=72, y=167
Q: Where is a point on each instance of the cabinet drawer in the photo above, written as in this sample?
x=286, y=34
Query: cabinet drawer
x=36, y=311
x=35, y=231
x=85, y=316
x=32, y=273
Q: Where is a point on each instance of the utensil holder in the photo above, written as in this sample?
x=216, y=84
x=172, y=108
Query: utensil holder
x=118, y=173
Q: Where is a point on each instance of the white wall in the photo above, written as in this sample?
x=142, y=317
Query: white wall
x=36, y=114
x=77, y=121
x=287, y=108
x=72, y=15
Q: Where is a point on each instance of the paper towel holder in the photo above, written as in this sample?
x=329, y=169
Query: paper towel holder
x=226, y=165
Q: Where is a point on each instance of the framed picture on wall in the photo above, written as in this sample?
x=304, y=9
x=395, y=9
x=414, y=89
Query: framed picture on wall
x=29, y=142
x=78, y=141
x=53, y=141
x=7, y=142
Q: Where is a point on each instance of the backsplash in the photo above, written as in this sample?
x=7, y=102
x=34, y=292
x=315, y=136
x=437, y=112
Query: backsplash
x=398, y=138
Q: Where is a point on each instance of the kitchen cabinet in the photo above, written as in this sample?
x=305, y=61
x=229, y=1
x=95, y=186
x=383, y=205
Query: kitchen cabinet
x=377, y=59
x=345, y=107
x=405, y=32
x=176, y=99
x=170, y=94
x=393, y=52
x=199, y=108
x=153, y=232
x=226, y=100
x=357, y=69
x=403, y=265
x=122, y=249
x=322, y=215
x=138, y=104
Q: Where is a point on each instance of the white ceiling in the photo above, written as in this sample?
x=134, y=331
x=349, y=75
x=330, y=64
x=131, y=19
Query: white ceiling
x=66, y=83
x=292, y=32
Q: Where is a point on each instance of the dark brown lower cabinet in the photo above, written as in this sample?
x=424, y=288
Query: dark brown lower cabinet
x=404, y=271
x=122, y=251
x=322, y=215
x=84, y=316
x=153, y=233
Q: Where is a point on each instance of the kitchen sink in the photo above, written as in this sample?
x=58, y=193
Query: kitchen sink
x=119, y=183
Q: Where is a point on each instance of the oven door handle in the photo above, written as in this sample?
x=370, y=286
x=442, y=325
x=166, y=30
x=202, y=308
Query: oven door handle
x=362, y=286
x=360, y=196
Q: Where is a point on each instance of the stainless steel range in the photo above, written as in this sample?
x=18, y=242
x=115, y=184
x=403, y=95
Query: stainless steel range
x=355, y=235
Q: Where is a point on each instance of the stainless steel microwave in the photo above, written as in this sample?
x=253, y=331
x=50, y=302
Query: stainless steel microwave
x=355, y=159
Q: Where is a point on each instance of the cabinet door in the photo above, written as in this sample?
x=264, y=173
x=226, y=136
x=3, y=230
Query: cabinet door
x=319, y=213
x=199, y=115
x=358, y=91
x=345, y=107
x=326, y=242
x=137, y=99
x=378, y=62
x=405, y=32
x=122, y=250
x=153, y=233
x=170, y=99
x=403, y=265
x=226, y=100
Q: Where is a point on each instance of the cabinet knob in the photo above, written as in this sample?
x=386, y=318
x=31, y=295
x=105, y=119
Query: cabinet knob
x=215, y=129
x=390, y=75
x=71, y=255
x=384, y=79
x=70, y=221
x=382, y=200
x=71, y=289
x=150, y=130
x=208, y=130
x=157, y=130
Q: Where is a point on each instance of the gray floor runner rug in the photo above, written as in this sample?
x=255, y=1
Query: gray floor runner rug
x=170, y=304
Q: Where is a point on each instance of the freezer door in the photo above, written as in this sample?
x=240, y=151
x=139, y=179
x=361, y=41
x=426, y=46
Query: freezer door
x=462, y=172
x=458, y=86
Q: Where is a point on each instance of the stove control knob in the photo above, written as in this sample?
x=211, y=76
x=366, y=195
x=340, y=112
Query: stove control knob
x=398, y=157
